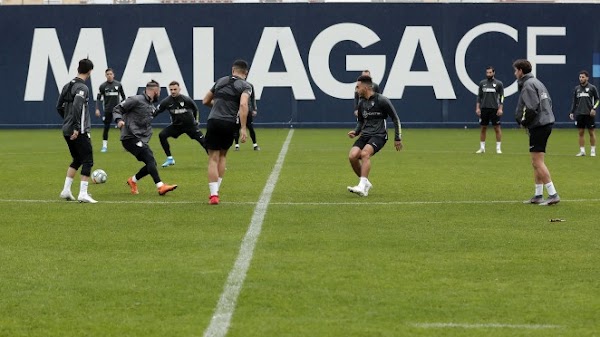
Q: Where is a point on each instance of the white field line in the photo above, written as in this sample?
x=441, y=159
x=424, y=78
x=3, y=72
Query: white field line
x=350, y=203
x=486, y=326
x=221, y=319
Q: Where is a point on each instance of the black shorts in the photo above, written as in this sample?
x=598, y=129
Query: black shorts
x=81, y=149
x=220, y=134
x=585, y=121
x=488, y=115
x=137, y=148
x=107, y=118
x=376, y=142
x=193, y=131
x=538, y=138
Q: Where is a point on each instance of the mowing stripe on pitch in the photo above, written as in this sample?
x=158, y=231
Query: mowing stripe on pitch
x=486, y=326
x=221, y=319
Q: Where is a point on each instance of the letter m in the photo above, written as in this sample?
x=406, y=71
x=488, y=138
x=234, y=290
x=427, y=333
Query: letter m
x=46, y=49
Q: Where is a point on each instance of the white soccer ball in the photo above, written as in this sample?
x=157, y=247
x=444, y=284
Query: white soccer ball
x=99, y=176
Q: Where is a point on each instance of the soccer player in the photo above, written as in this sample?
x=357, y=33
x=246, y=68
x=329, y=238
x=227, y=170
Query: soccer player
x=357, y=97
x=373, y=110
x=134, y=117
x=72, y=106
x=228, y=99
x=489, y=108
x=252, y=112
x=184, y=119
x=110, y=92
x=534, y=112
x=583, y=111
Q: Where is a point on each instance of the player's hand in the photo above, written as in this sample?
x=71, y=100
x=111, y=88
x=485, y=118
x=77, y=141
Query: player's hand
x=74, y=135
x=120, y=124
x=254, y=113
x=593, y=113
x=352, y=134
x=355, y=113
x=499, y=113
x=398, y=144
x=571, y=116
x=478, y=112
x=97, y=112
x=243, y=135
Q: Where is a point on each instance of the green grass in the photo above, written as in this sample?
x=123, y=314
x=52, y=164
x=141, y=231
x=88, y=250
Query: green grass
x=442, y=238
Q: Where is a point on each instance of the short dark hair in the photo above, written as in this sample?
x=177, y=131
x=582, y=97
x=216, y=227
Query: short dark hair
x=366, y=79
x=152, y=84
x=490, y=67
x=85, y=66
x=584, y=72
x=174, y=83
x=108, y=69
x=241, y=65
x=523, y=65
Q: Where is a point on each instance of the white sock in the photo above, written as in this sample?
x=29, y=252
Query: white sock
x=582, y=149
x=237, y=145
x=219, y=181
x=539, y=189
x=363, y=182
x=68, y=183
x=159, y=184
x=105, y=143
x=482, y=145
x=83, y=188
x=255, y=145
x=214, y=188
x=593, y=149
x=169, y=157
x=498, y=145
x=134, y=179
x=550, y=188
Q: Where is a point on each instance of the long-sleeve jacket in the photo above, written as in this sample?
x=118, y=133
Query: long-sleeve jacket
x=183, y=110
x=534, y=108
x=137, y=112
x=372, y=115
x=585, y=98
x=72, y=105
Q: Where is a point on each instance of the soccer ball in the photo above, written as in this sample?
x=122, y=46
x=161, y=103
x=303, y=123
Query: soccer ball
x=99, y=176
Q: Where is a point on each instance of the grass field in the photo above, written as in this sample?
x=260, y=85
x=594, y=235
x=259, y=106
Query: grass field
x=442, y=246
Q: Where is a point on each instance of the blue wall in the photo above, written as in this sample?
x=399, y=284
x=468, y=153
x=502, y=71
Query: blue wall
x=400, y=39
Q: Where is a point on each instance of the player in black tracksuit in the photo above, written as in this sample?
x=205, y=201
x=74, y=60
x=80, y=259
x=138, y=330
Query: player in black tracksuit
x=72, y=106
x=184, y=119
x=489, y=106
x=109, y=92
x=583, y=111
x=252, y=111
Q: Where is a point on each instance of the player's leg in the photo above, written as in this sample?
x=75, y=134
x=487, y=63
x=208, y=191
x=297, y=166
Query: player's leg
x=250, y=126
x=236, y=139
x=106, y=120
x=84, y=145
x=498, y=130
x=196, y=134
x=147, y=157
x=581, y=125
x=538, y=140
x=169, y=131
x=592, y=133
x=483, y=123
x=71, y=171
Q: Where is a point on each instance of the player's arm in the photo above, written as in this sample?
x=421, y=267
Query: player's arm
x=595, y=100
x=121, y=109
x=360, y=122
x=98, y=98
x=162, y=106
x=253, y=107
x=478, y=103
x=79, y=100
x=243, y=113
x=500, y=90
x=356, y=100
x=531, y=105
x=122, y=92
x=60, y=104
x=389, y=109
x=573, y=104
x=210, y=95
